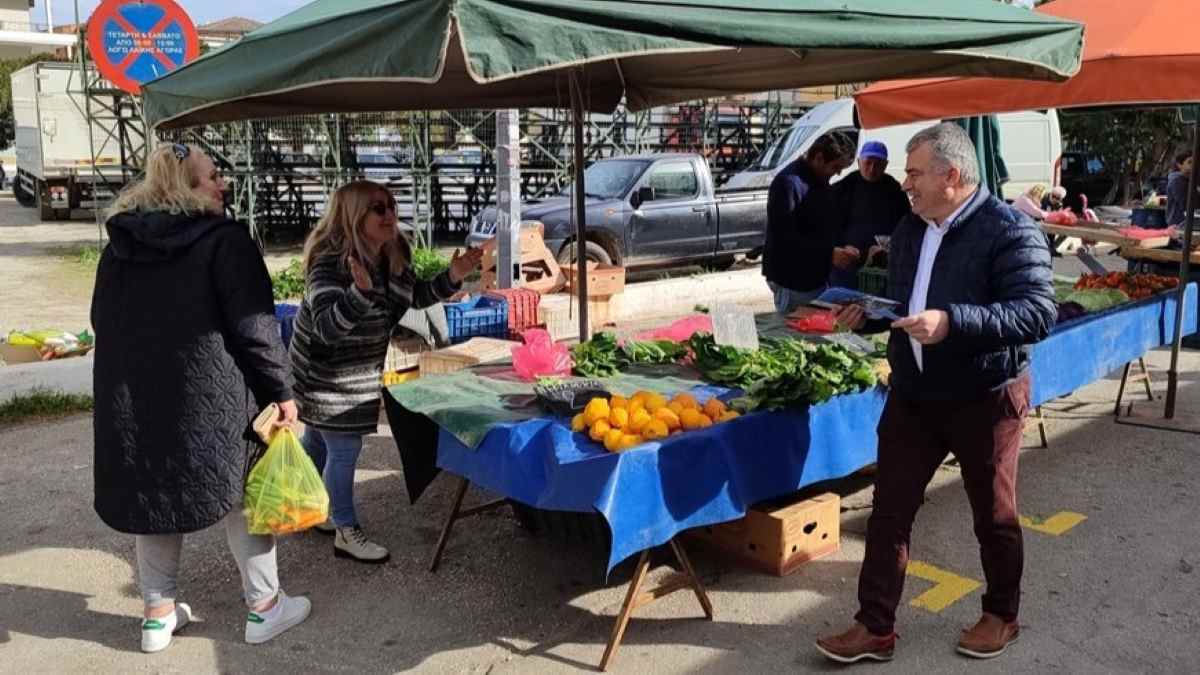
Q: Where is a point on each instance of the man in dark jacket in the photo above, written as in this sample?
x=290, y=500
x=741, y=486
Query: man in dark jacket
x=1177, y=191
x=973, y=277
x=871, y=203
x=802, y=225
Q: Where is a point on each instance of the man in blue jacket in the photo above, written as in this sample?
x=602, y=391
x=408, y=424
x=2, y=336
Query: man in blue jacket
x=973, y=278
x=803, y=224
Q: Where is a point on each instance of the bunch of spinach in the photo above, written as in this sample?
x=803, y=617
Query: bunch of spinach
x=602, y=356
x=784, y=372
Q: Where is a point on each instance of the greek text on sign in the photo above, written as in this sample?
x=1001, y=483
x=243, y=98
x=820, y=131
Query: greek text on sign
x=135, y=41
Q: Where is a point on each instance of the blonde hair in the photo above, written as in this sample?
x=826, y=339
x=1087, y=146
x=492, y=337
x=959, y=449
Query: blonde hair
x=168, y=185
x=339, y=231
x=1036, y=192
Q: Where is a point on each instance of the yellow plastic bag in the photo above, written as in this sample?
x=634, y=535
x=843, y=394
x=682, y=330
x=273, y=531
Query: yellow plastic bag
x=284, y=492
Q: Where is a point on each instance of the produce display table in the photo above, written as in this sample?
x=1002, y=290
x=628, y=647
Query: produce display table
x=650, y=494
x=1161, y=255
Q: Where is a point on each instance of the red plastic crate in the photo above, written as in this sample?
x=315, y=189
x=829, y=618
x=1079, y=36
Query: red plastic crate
x=522, y=307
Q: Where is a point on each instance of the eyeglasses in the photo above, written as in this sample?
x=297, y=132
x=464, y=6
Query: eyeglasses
x=380, y=209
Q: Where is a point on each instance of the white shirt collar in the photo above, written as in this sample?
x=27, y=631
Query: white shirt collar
x=945, y=224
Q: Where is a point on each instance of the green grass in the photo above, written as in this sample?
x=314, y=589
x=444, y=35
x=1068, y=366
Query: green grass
x=86, y=256
x=43, y=404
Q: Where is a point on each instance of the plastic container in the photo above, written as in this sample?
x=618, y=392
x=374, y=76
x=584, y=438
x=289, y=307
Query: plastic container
x=286, y=315
x=873, y=281
x=479, y=317
x=522, y=308
x=1151, y=219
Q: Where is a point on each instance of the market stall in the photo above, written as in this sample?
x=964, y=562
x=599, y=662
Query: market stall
x=484, y=426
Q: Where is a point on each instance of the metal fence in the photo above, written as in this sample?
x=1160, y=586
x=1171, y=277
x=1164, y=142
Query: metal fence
x=441, y=165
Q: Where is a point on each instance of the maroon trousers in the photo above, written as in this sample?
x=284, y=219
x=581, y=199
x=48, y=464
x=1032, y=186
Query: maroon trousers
x=914, y=438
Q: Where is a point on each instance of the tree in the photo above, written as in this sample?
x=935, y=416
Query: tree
x=8, y=129
x=1135, y=144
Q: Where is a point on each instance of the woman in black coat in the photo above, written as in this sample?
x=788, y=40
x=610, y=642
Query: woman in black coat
x=187, y=352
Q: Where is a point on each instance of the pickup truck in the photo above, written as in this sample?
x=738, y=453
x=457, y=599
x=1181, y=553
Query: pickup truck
x=648, y=211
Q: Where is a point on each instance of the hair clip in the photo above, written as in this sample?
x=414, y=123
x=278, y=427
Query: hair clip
x=181, y=151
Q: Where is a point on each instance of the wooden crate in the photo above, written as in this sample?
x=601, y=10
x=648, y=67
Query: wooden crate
x=473, y=352
x=404, y=353
x=779, y=540
x=603, y=280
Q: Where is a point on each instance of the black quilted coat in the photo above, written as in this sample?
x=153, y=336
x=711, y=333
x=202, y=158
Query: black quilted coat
x=993, y=276
x=187, y=353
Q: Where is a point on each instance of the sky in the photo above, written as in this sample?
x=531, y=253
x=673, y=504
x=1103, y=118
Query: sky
x=201, y=11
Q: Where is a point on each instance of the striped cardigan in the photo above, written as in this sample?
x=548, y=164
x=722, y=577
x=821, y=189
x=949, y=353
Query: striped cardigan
x=341, y=340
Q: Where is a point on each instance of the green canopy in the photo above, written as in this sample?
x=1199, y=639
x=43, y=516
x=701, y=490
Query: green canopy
x=364, y=55
x=984, y=131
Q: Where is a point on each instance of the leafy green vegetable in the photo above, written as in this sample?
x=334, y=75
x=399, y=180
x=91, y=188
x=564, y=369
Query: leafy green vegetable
x=428, y=263
x=782, y=373
x=288, y=282
x=598, y=357
x=653, y=351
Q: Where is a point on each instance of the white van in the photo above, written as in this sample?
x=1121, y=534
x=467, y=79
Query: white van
x=1030, y=143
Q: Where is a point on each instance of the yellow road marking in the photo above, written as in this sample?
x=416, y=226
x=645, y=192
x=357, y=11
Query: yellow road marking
x=1056, y=525
x=948, y=588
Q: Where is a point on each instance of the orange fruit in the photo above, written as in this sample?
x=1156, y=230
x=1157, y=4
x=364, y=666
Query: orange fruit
x=714, y=408
x=599, y=429
x=577, y=423
x=655, y=430
x=618, y=401
x=635, y=405
x=677, y=407
x=654, y=402
x=691, y=419
x=668, y=417
x=597, y=409
x=687, y=400
x=612, y=440
x=618, y=418
x=729, y=415
x=638, y=421
x=629, y=441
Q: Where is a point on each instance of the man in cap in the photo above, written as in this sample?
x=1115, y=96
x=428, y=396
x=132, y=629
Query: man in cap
x=872, y=203
x=802, y=224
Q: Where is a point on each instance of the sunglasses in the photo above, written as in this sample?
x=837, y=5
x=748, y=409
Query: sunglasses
x=380, y=209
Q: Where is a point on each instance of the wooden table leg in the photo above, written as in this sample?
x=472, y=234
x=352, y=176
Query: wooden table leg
x=697, y=586
x=1121, y=388
x=1041, y=424
x=618, y=631
x=1146, y=379
x=459, y=493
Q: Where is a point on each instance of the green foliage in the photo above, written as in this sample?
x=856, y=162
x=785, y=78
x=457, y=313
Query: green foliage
x=288, y=283
x=603, y=357
x=428, y=263
x=1135, y=144
x=42, y=404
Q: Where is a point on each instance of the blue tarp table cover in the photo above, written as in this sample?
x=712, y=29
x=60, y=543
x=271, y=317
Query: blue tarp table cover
x=648, y=495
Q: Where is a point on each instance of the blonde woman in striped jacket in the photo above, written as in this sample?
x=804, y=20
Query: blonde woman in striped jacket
x=359, y=282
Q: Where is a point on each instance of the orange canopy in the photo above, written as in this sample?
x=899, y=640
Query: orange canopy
x=1135, y=53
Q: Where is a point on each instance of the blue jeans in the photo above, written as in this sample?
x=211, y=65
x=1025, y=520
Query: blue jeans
x=788, y=301
x=337, y=455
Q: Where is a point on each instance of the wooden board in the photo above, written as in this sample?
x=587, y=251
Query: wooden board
x=473, y=352
x=1101, y=233
x=1159, y=255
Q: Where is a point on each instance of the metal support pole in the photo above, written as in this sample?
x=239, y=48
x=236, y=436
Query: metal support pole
x=1184, y=273
x=508, y=197
x=579, y=214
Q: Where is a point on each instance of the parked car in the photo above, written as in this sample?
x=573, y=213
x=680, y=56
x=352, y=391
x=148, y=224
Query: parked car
x=648, y=210
x=380, y=167
x=1086, y=174
x=1030, y=143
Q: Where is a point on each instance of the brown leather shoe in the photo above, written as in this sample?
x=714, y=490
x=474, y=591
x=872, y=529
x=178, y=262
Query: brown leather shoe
x=857, y=644
x=989, y=637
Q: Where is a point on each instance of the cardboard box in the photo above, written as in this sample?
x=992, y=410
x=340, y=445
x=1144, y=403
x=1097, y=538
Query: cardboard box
x=779, y=540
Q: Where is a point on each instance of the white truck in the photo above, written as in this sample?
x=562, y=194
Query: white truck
x=54, y=151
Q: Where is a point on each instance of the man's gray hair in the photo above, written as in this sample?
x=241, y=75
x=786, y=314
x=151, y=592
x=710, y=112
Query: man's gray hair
x=951, y=147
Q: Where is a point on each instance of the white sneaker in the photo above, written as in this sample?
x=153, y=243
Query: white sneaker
x=156, y=633
x=326, y=527
x=287, y=612
x=351, y=542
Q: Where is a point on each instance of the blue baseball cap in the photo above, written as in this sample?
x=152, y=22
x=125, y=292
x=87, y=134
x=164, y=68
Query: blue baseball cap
x=874, y=149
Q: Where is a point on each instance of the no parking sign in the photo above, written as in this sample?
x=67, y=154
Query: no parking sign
x=135, y=41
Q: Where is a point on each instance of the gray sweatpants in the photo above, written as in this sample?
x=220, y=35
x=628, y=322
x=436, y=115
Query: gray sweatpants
x=158, y=563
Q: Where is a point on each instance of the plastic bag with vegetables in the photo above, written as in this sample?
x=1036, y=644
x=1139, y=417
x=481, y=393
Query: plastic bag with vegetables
x=284, y=493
